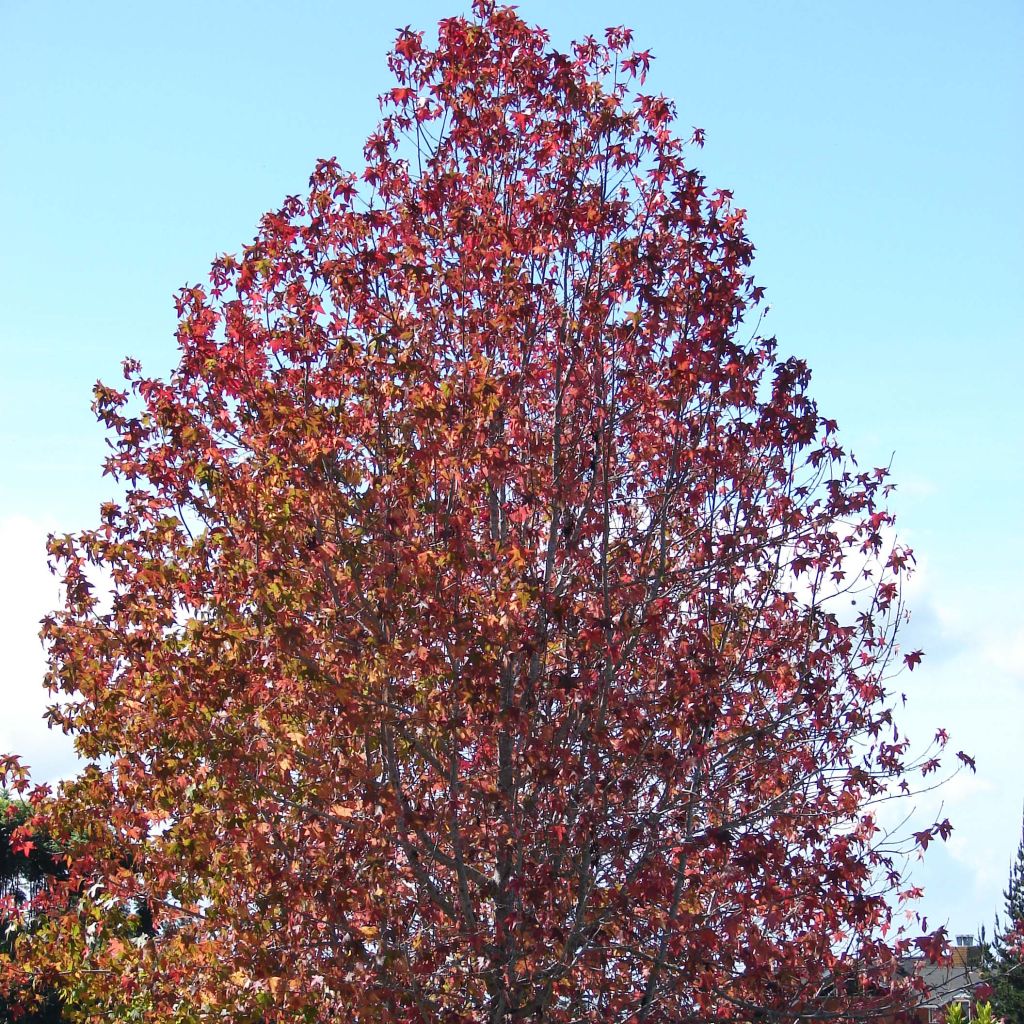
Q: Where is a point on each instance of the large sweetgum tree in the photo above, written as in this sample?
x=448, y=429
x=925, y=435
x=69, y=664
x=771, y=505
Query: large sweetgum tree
x=496, y=629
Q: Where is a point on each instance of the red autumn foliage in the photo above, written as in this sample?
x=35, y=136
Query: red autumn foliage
x=480, y=644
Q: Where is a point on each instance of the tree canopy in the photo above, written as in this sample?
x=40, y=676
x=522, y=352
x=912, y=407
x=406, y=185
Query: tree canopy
x=497, y=630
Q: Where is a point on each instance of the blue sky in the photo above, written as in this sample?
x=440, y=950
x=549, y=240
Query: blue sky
x=876, y=146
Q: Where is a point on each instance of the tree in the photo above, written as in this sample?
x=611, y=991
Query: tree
x=27, y=861
x=1005, y=967
x=496, y=631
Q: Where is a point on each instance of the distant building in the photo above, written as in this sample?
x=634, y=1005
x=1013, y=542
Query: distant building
x=946, y=984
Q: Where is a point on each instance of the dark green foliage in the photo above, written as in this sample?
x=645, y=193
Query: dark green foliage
x=1006, y=959
x=22, y=875
x=49, y=1011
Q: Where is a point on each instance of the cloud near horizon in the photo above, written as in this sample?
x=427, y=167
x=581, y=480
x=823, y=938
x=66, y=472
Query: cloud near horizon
x=971, y=682
x=31, y=593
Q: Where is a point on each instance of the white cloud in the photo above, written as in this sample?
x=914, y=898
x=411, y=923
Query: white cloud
x=1005, y=653
x=28, y=593
x=971, y=683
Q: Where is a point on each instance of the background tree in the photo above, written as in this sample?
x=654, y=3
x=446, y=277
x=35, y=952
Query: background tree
x=32, y=870
x=497, y=630
x=28, y=860
x=1005, y=964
